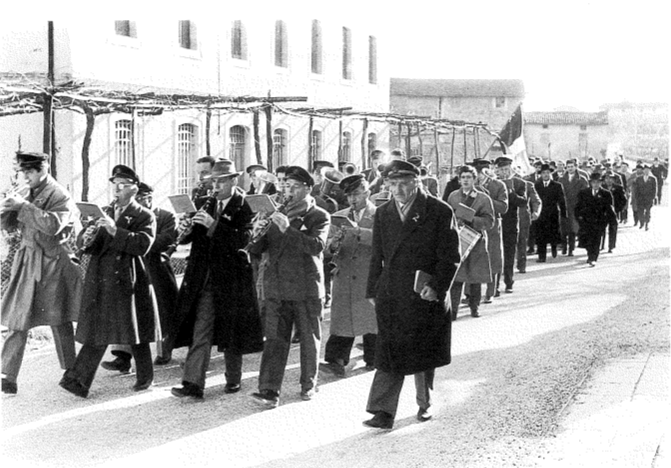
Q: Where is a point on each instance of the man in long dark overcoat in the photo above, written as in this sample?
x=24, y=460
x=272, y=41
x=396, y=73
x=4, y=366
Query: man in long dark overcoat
x=553, y=209
x=412, y=232
x=645, y=194
x=217, y=300
x=593, y=211
x=117, y=304
x=572, y=182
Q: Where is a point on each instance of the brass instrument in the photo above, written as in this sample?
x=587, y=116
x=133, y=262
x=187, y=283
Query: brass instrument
x=244, y=252
x=331, y=178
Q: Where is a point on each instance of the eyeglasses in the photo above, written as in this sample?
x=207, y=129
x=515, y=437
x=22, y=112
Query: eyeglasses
x=122, y=185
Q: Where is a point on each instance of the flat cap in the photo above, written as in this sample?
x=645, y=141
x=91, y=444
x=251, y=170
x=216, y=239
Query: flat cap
x=351, y=183
x=399, y=168
x=502, y=161
x=480, y=162
x=124, y=172
x=143, y=189
x=300, y=174
x=26, y=158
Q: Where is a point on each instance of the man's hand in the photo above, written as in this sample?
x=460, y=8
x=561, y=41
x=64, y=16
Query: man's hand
x=280, y=220
x=371, y=300
x=107, y=224
x=534, y=216
x=428, y=294
x=13, y=203
x=204, y=219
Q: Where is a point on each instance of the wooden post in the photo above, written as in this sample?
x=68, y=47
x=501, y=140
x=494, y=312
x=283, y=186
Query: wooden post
x=364, y=153
x=132, y=138
x=86, y=161
x=257, y=138
x=208, y=119
x=419, y=137
x=400, y=134
x=47, y=128
x=408, y=141
x=465, y=147
x=269, y=136
x=48, y=132
x=339, y=139
x=454, y=135
x=311, y=156
x=436, y=141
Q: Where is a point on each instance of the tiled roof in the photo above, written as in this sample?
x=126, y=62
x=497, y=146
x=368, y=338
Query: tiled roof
x=566, y=118
x=456, y=88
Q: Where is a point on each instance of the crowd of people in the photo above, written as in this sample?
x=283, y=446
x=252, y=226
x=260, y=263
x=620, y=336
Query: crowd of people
x=392, y=261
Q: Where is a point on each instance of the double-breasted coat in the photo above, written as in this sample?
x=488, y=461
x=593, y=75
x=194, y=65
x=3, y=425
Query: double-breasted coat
x=553, y=208
x=593, y=213
x=476, y=268
x=414, y=335
x=499, y=195
x=571, y=189
x=117, y=301
x=351, y=313
x=215, y=256
x=158, y=264
x=45, y=285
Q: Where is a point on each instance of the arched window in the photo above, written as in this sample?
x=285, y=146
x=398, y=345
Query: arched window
x=346, y=153
x=237, y=148
x=346, y=53
x=281, y=44
x=123, y=142
x=279, y=147
x=238, y=40
x=187, y=154
x=316, y=145
x=316, y=47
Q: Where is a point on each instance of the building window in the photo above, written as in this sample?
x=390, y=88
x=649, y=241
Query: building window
x=279, y=147
x=123, y=142
x=187, y=35
x=583, y=127
x=187, y=154
x=346, y=54
x=372, y=60
x=346, y=153
x=500, y=102
x=237, y=147
x=545, y=125
x=316, y=47
x=238, y=40
x=125, y=28
x=372, y=142
x=281, y=44
x=316, y=144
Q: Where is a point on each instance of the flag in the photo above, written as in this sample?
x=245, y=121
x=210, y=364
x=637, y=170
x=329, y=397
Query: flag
x=512, y=136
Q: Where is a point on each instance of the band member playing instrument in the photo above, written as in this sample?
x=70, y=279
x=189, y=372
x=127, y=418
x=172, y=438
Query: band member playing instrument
x=44, y=285
x=161, y=275
x=413, y=232
x=351, y=313
x=217, y=302
x=262, y=180
x=117, y=305
x=203, y=170
x=293, y=287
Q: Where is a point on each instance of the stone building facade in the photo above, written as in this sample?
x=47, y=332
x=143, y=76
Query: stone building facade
x=639, y=130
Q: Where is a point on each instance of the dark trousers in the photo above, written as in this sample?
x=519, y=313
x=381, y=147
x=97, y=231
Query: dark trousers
x=522, y=245
x=386, y=390
x=660, y=185
x=15, y=346
x=592, y=243
x=531, y=240
x=89, y=357
x=569, y=241
x=473, y=291
x=198, y=357
x=543, y=249
x=643, y=214
x=279, y=317
x=338, y=348
x=612, y=234
x=509, y=250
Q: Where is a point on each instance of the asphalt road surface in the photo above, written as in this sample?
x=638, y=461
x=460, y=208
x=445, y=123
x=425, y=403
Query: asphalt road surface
x=499, y=403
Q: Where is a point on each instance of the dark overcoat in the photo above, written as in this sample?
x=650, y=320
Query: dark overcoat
x=237, y=323
x=593, y=214
x=644, y=191
x=571, y=189
x=414, y=335
x=117, y=301
x=553, y=208
x=517, y=197
x=499, y=195
x=158, y=264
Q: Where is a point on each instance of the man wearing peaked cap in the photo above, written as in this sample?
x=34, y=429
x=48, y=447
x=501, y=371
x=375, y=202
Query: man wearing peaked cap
x=299, y=174
x=124, y=172
x=398, y=168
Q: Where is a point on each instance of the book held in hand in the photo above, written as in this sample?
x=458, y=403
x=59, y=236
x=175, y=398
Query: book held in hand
x=90, y=210
x=421, y=278
x=182, y=204
x=342, y=221
x=261, y=203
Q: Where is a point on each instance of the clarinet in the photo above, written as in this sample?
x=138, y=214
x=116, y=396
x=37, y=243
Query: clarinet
x=189, y=227
x=244, y=252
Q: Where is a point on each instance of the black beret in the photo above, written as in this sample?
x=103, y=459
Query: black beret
x=351, y=183
x=546, y=167
x=399, y=168
x=255, y=167
x=595, y=176
x=143, y=188
x=300, y=174
x=124, y=172
x=502, y=161
x=28, y=159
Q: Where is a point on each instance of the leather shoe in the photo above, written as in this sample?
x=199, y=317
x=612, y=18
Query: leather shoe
x=188, y=390
x=162, y=360
x=487, y=300
x=497, y=293
x=475, y=314
x=139, y=386
x=554, y=252
x=268, y=398
x=74, y=387
x=381, y=420
x=424, y=415
x=307, y=395
x=540, y=260
x=9, y=387
x=334, y=368
x=232, y=388
x=509, y=290
x=523, y=271
x=118, y=364
x=369, y=367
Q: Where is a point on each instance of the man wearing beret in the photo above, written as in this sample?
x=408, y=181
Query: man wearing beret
x=517, y=197
x=351, y=313
x=573, y=183
x=44, y=285
x=162, y=279
x=593, y=211
x=117, y=304
x=553, y=208
x=619, y=202
x=412, y=233
x=293, y=286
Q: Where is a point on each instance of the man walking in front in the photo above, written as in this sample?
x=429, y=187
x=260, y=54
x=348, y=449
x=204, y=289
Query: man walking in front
x=412, y=233
x=553, y=207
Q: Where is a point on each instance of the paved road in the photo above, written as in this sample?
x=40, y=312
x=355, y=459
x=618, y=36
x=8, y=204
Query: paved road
x=503, y=400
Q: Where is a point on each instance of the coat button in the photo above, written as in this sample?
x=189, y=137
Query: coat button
x=118, y=257
x=353, y=277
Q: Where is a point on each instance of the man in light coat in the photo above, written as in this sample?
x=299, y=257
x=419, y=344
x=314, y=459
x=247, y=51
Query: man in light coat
x=572, y=182
x=45, y=285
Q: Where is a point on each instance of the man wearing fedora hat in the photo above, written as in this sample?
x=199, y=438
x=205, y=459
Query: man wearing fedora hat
x=44, y=285
x=117, y=304
x=593, y=210
x=217, y=302
x=553, y=208
x=412, y=233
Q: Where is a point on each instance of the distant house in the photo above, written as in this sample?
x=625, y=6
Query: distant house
x=639, y=130
x=563, y=135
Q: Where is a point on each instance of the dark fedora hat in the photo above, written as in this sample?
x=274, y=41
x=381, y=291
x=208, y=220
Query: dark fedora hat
x=546, y=167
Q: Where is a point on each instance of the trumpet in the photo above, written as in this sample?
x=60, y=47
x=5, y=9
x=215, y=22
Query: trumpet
x=244, y=252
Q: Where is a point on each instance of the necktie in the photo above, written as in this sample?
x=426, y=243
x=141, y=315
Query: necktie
x=117, y=212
